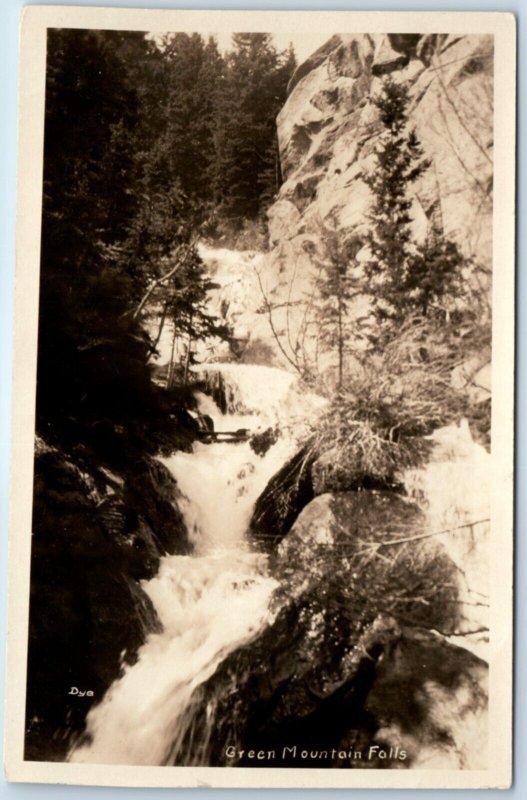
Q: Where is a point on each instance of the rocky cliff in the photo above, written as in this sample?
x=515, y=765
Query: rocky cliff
x=328, y=130
x=328, y=127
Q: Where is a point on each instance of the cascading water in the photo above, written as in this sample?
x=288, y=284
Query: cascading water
x=209, y=603
x=218, y=599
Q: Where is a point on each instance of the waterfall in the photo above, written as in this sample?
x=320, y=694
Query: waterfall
x=247, y=388
x=218, y=599
x=208, y=603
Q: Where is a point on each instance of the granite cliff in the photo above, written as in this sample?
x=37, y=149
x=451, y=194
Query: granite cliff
x=327, y=133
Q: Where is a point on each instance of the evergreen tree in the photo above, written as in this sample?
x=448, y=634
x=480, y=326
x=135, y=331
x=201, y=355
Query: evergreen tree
x=187, y=305
x=404, y=278
x=85, y=338
x=337, y=287
x=192, y=70
x=110, y=222
x=248, y=99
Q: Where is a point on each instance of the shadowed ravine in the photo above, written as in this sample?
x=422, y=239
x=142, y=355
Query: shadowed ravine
x=299, y=648
x=209, y=602
x=262, y=481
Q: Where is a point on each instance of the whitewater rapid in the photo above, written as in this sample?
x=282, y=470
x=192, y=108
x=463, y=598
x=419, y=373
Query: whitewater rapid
x=208, y=603
x=219, y=598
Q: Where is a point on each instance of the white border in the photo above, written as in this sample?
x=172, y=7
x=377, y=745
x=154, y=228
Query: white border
x=31, y=118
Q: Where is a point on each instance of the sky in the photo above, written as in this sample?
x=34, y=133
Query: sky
x=305, y=42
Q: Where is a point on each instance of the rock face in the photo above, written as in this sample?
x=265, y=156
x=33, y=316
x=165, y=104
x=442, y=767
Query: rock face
x=328, y=129
x=282, y=501
x=454, y=490
x=350, y=664
x=376, y=649
x=451, y=489
x=97, y=531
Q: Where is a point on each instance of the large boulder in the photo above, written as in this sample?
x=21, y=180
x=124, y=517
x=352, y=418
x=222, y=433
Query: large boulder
x=282, y=500
x=409, y=699
x=356, y=660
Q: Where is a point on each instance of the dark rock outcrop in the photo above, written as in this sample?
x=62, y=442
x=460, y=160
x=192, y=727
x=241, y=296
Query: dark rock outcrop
x=350, y=663
x=302, y=478
x=282, y=500
x=96, y=533
x=401, y=701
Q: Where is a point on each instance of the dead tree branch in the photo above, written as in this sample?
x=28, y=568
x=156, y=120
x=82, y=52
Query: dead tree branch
x=158, y=281
x=276, y=335
x=406, y=539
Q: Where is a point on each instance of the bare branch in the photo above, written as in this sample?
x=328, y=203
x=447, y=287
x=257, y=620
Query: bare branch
x=294, y=348
x=275, y=333
x=391, y=542
x=158, y=281
x=462, y=633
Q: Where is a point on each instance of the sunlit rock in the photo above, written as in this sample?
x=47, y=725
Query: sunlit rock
x=453, y=489
x=341, y=678
x=328, y=130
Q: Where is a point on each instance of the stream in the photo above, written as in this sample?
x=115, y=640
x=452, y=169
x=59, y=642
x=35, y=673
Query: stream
x=209, y=603
x=218, y=599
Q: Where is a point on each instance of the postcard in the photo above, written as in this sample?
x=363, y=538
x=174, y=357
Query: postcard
x=262, y=469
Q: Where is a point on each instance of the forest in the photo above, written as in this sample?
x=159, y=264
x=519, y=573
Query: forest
x=147, y=144
x=153, y=145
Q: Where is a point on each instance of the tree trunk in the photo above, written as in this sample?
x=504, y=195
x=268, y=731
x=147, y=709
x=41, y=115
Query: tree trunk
x=341, y=347
x=187, y=359
x=160, y=329
x=170, y=373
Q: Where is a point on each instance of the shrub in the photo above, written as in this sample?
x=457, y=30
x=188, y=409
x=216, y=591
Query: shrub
x=376, y=427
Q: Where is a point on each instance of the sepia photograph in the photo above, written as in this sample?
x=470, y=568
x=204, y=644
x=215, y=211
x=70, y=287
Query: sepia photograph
x=264, y=435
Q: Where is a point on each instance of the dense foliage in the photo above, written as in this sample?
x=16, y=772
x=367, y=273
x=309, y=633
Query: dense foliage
x=216, y=124
x=376, y=427
x=246, y=166
x=404, y=276
x=142, y=139
x=91, y=352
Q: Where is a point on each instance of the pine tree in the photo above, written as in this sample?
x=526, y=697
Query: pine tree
x=337, y=287
x=112, y=216
x=404, y=277
x=186, y=306
x=193, y=69
x=248, y=99
x=85, y=339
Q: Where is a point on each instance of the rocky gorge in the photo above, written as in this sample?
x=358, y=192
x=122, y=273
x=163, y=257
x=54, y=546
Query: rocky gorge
x=221, y=599
x=100, y=527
